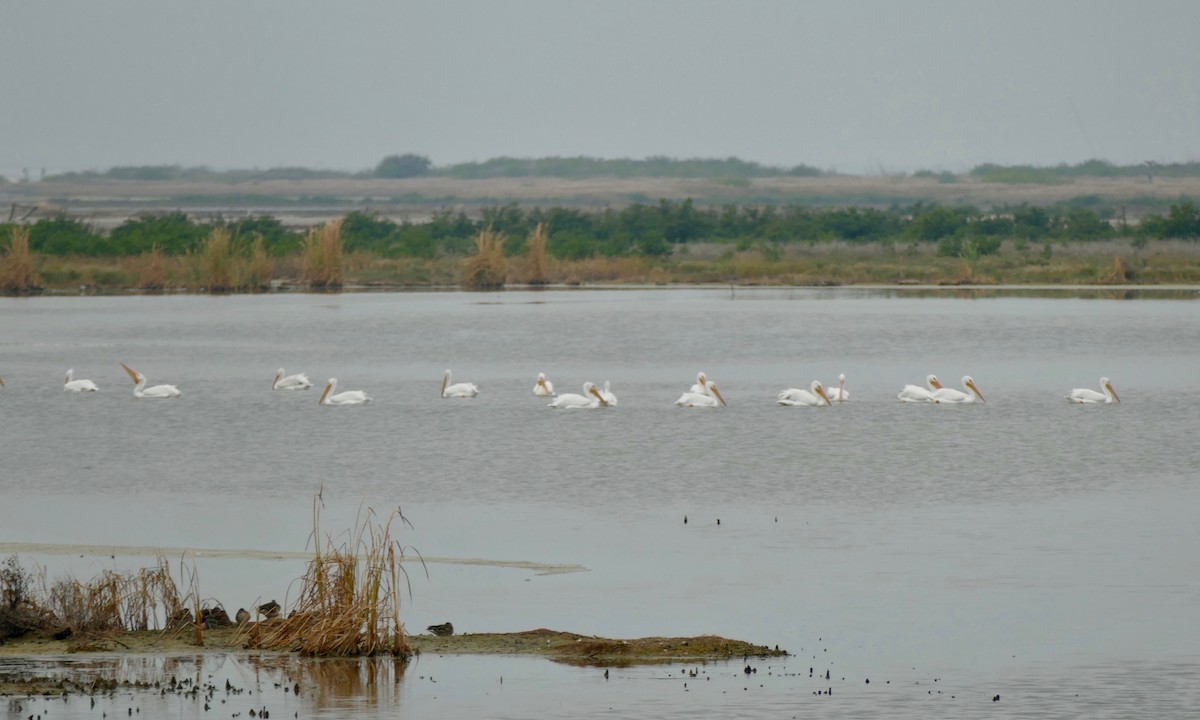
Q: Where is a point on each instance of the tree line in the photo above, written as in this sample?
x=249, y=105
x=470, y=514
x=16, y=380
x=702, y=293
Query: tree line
x=409, y=165
x=638, y=229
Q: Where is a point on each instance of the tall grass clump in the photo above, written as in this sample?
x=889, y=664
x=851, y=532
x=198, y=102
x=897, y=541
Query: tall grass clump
x=216, y=269
x=17, y=274
x=349, y=603
x=152, y=270
x=143, y=599
x=323, y=256
x=487, y=269
x=537, y=260
x=261, y=269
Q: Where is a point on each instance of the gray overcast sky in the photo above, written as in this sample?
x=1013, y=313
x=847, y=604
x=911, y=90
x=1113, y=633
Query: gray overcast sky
x=858, y=87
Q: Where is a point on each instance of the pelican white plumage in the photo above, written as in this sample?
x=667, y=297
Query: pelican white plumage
x=590, y=398
x=543, y=387
x=609, y=399
x=701, y=386
x=457, y=390
x=813, y=397
x=73, y=385
x=916, y=393
x=156, y=391
x=952, y=396
x=349, y=397
x=299, y=381
x=1087, y=395
x=711, y=398
x=839, y=393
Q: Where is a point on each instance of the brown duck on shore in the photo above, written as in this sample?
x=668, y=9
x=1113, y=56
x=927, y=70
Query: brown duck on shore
x=441, y=630
x=269, y=610
x=243, y=616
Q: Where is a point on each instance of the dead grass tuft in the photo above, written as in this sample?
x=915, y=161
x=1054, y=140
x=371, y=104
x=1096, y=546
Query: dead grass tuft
x=487, y=269
x=537, y=259
x=349, y=600
x=152, y=271
x=216, y=270
x=17, y=274
x=323, y=256
x=260, y=271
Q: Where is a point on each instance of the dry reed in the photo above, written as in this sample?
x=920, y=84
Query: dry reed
x=17, y=274
x=323, y=256
x=216, y=268
x=260, y=271
x=349, y=601
x=143, y=599
x=487, y=269
x=152, y=271
x=537, y=271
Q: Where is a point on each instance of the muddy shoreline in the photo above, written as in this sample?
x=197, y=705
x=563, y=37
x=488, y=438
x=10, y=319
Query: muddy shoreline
x=558, y=646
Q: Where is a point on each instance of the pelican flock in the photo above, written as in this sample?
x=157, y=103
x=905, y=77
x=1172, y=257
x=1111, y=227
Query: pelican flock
x=457, y=390
x=73, y=385
x=590, y=398
x=156, y=392
x=350, y=397
x=543, y=387
x=1089, y=396
x=283, y=381
x=703, y=394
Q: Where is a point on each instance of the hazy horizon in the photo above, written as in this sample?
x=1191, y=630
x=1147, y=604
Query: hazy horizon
x=865, y=88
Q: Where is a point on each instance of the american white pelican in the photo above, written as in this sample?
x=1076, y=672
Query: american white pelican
x=543, y=387
x=299, y=381
x=813, y=397
x=839, y=393
x=590, y=398
x=712, y=397
x=350, y=397
x=609, y=399
x=701, y=386
x=950, y=395
x=141, y=391
x=916, y=393
x=458, y=390
x=73, y=385
x=1087, y=395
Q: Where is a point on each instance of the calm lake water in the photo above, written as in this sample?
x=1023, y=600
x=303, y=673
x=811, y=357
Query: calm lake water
x=1026, y=547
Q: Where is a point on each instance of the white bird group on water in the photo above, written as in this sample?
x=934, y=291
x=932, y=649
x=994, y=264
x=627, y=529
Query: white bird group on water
x=703, y=394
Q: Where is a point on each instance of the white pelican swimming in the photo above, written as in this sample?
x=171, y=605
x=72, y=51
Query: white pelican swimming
x=813, y=397
x=73, y=385
x=609, y=399
x=141, y=391
x=1087, y=395
x=590, y=398
x=350, y=397
x=712, y=397
x=839, y=393
x=916, y=393
x=543, y=387
x=701, y=386
x=457, y=390
x=299, y=381
x=950, y=395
